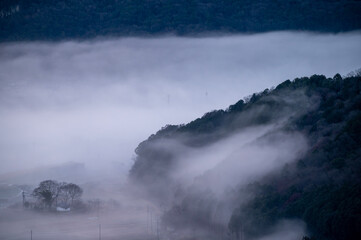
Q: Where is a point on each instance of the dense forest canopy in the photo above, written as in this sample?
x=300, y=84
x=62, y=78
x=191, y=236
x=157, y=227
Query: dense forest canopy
x=322, y=187
x=22, y=20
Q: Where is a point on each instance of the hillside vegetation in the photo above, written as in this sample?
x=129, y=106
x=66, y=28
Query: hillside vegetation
x=322, y=187
x=68, y=19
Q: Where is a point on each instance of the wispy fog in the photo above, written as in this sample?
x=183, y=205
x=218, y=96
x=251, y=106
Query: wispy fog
x=290, y=230
x=200, y=185
x=232, y=162
x=93, y=102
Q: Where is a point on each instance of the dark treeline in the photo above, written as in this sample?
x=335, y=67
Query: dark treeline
x=67, y=19
x=322, y=188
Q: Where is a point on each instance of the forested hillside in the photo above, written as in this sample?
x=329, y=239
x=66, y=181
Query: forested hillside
x=322, y=186
x=79, y=19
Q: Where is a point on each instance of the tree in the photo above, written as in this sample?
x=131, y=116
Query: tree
x=50, y=192
x=71, y=191
x=47, y=192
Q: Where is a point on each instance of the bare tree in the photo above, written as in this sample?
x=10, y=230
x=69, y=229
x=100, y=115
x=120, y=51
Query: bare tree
x=47, y=192
x=71, y=191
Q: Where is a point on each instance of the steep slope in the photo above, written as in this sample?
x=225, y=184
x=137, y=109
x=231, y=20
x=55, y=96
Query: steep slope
x=22, y=20
x=309, y=129
x=324, y=187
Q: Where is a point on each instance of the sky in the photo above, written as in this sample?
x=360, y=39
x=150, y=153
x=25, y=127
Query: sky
x=93, y=102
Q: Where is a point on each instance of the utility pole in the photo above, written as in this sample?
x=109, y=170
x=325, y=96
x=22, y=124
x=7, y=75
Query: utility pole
x=151, y=223
x=241, y=232
x=98, y=205
x=23, y=193
x=157, y=219
x=100, y=231
x=31, y=234
x=147, y=219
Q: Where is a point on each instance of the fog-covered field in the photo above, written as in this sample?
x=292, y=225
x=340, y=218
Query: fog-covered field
x=121, y=224
x=115, y=213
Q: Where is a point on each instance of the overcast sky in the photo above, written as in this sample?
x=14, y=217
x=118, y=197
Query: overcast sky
x=93, y=102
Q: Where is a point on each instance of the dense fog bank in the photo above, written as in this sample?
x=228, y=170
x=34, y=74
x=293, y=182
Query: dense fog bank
x=93, y=102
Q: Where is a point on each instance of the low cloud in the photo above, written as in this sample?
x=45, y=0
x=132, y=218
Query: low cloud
x=92, y=102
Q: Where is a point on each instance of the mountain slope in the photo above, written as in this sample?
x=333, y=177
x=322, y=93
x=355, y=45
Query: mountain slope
x=323, y=188
x=321, y=185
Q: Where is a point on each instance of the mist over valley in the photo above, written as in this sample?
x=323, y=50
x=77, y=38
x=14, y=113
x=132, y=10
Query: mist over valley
x=246, y=136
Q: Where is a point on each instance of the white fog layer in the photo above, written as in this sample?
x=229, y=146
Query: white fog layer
x=93, y=102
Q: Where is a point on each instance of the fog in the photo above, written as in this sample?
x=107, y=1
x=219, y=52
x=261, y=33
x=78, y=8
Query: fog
x=233, y=163
x=92, y=102
x=247, y=154
x=75, y=111
x=200, y=186
x=205, y=182
x=122, y=222
x=290, y=230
